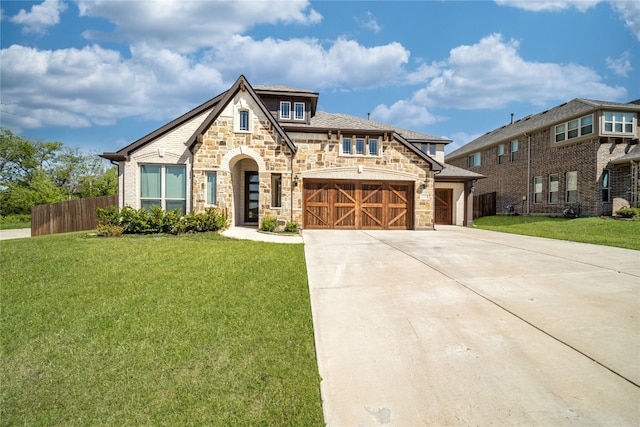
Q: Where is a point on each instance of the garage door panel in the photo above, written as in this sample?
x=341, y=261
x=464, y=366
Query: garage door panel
x=358, y=205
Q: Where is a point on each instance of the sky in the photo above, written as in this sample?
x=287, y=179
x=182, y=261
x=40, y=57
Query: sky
x=99, y=74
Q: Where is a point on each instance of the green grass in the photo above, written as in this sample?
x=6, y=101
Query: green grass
x=599, y=231
x=156, y=330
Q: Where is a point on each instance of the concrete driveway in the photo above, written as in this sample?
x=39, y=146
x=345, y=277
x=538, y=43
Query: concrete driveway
x=467, y=327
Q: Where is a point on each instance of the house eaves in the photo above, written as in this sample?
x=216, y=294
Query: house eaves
x=352, y=125
x=241, y=84
x=124, y=153
x=535, y=122
x=280, y=90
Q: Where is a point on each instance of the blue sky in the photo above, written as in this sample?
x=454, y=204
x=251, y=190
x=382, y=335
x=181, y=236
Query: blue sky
x=98, y=75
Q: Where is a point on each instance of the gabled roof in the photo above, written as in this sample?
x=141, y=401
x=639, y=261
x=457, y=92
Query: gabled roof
x=569, y=110
x=323, y=122
x=240, y=85
x=123, y=153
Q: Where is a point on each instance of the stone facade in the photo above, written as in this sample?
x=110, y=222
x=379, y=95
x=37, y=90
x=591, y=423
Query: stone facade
x=246, y=140
x=229, y=152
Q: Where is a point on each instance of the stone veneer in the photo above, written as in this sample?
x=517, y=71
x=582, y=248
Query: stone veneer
x=229, y=152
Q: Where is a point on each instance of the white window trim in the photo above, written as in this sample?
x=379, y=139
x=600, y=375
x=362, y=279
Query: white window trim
x=565, y=132
x=365, y=152
x=634, y=124
x=206, y=176
x=477, y=160
x=557, y=189
x=163, y=185
x=295, y=111
x=242, y=105
x=282, y=117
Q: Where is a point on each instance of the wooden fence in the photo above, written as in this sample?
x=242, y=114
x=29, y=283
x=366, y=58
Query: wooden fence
x=65, y=217
x=484, y=205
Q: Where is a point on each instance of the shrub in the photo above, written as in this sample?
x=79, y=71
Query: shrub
x=14, y=218
x=291, y=227
x=269, y=223
x=142, y=221
x=628, y=212
x=110, y=230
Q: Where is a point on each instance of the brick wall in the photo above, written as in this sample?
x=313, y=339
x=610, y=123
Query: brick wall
x=510, y=181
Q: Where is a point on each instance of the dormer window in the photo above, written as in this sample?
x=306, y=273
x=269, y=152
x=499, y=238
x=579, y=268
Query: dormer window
x=285, y=110
x=299, y=110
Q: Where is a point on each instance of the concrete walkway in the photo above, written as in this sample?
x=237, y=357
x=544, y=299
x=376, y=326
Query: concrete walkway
x=467, y=327
x=252, y=233
x=19, y=233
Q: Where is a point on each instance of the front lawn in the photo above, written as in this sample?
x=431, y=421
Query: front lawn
x=156, y=330
x=599, y=231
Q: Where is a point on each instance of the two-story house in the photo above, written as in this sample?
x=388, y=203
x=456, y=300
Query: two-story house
x=582, y=153
x=267, y=151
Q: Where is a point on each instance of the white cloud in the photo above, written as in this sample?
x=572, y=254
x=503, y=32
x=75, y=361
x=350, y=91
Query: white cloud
x=629, y=10
x=369, y=22
x=549, y=6
x=630, y=13
x=93, y=85
x=620, y=66
x=305, y=62
x=459, y=139
x=40, y=17
x=492, y=75
x=186, y=26
x=405, y=114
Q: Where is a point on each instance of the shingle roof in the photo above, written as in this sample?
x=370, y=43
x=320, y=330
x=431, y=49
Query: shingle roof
x=345, y=122
x=450, y=172
x=530, y=123
x=280, y=88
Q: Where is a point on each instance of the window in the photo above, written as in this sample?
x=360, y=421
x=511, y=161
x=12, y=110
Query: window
x=359, y=146
x=299, y=110
x=474, y=160
x=373, y=147
x=537, y=189
x=346, y=146
x=571, y=192
x=574, y=128
x=514, y=151
x=432, y=149
x=164, y=186
x=276, y=190
x=212, y=180
x=285, y=110
x=618, y=122
x=424, y=148
x=553, y=188
x=586, y=125
x=605, y=185
x=244, y=120
x=500, y=154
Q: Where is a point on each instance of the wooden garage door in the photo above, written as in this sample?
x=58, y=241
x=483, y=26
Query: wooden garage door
x=358, y=205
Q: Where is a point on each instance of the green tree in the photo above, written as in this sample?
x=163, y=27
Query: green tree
x=34, y=172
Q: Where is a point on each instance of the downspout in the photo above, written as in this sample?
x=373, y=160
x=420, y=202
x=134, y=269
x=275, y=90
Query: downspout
x=634, y=183
x=528, y=173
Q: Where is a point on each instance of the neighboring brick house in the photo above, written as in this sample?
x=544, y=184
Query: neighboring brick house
x=581, y=152
x=266, y=151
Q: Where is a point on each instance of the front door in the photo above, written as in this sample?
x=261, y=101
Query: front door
x=251, y=196
x=444, y=206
